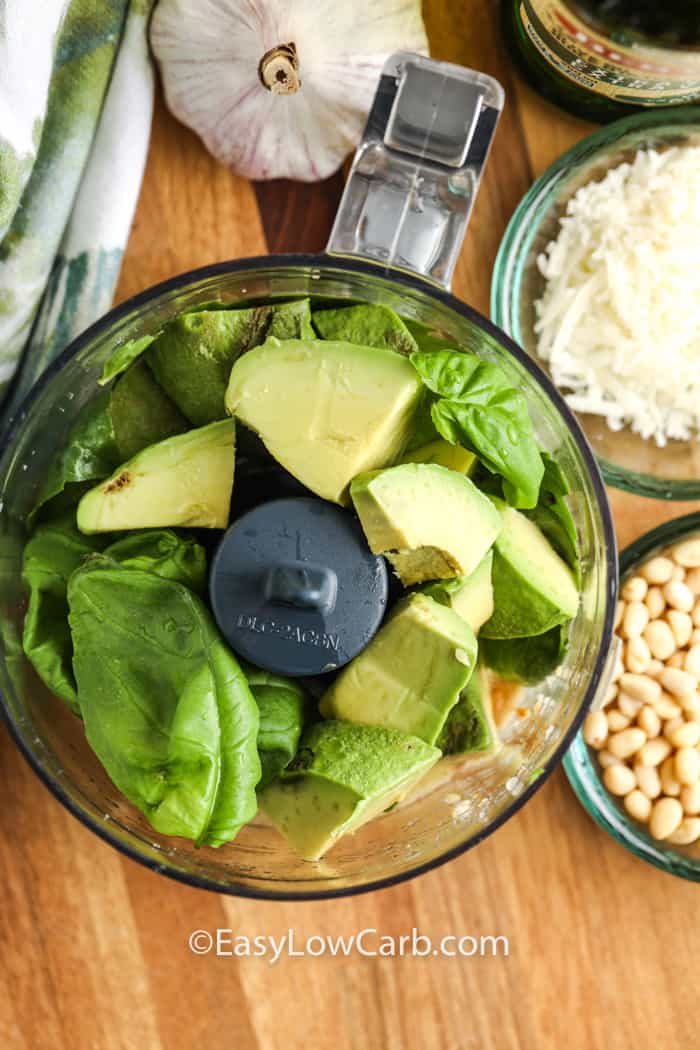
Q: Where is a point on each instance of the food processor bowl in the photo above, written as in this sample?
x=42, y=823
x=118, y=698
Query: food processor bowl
x=459, y=803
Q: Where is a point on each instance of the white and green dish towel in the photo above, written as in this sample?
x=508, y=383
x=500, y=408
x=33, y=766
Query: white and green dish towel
x=76, y=101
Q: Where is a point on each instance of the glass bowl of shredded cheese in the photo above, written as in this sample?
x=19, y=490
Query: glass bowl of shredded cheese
x=598, y=278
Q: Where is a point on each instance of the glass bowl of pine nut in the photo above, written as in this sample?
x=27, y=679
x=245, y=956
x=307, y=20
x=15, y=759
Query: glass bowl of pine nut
x=635, y=764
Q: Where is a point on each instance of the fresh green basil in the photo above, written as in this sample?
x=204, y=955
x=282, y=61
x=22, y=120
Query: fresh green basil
x=166, y=707
x=50, y=557
x=126, y=355
x=282, y=707
x=527, y=660
x=164, y=553
x=553, y=517
x=477, y=408
x=110, y=429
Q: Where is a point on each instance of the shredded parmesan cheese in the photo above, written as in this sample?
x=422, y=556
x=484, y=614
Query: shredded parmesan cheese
x=619, y=320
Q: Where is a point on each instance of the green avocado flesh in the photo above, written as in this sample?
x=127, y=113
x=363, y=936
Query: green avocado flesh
x=471, y=597
x=193, y=357
x=454, y=457
x=344, y=775
x=366, y=325
x=533, y=588
x=410, y=674
x=470, y=726
x=431, y=522
x=325, y=410
x=186, y=480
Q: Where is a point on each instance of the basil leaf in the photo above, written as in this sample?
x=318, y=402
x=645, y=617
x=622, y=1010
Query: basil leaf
x=282, y=707
x=479, y=409
x=124, y=357
x=166, y=707
x=164, y=553
x=50, y=557
x=553, y=517
x=527, y=660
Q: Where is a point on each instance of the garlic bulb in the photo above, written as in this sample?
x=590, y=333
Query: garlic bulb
x=279, y=88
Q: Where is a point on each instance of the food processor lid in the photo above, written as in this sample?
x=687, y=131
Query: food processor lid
x=295, y=589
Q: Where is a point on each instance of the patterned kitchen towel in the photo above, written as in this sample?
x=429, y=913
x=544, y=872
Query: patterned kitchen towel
x=71, y=162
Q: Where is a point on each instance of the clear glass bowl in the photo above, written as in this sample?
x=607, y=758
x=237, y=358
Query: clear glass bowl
x=627, y=460
x=430, y=828
x=582, y=767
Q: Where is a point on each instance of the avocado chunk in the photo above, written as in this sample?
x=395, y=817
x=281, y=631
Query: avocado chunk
x=186, y=480
x=282, y=709
x=533, y=588
x=411, y=673
x=326, y=411
x=454, y=457
x=431, y=522
x=192, y=358
x=527, y=660
x=344, y=775
x=292, y=321
x=471, y=597
x=367, y=324
x=470, y=726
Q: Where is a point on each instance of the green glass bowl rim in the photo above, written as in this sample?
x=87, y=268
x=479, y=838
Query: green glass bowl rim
x=581, y=770
x=514, y=248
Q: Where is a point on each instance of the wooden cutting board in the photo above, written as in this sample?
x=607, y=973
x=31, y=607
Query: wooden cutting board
x=93, y=947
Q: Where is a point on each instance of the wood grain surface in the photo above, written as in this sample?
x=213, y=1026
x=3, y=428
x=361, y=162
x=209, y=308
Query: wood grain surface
x=93, y=947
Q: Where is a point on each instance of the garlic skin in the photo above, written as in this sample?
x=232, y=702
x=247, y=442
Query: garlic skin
x=279, y=88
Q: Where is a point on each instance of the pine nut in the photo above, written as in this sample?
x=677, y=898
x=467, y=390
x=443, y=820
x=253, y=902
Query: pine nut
x=635, y=619
x=618, y=669
x=678, y=573
x=692, y=580
x=667, y=708
x=637, y=655
x=686, y=735
x=687, y=553
x=657, y=570
x=690, y=798
x=695, y=636
x=687, y=765
x=671, y=725
x=667, y=776
x=606, y=759
x=678, y=596
x=660, y=639
x=695, y=615
x=692, y=662
x=638, y=805
x=616, y=721
x=654, y=752
x=648, y=780
x=619, y=780
x=676, y=661
x=649, y=721
x=677, y=682
x=655, y=602
x=595, y=729
x=681, y=625
x=628, y=705
x=627, y=742
x=610, y=695
x=691, y=707
x=688, y=831
x=655, y=668
x=635, y=588
x=641, y=687
x=666, y=815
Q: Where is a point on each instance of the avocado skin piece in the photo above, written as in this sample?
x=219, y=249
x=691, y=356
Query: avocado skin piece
x=527, y=660
x=471, y=597
x=342, y=777
x=326, y=411
x=469, y=727
x=430, y=522
x=367, y=324
x=193, y=357
x=410, y=675
x=185, y=480
x=527, y=573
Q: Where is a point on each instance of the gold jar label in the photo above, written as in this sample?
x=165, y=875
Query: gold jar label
x=636, y=73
